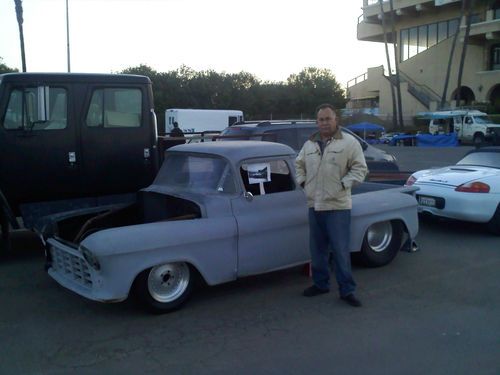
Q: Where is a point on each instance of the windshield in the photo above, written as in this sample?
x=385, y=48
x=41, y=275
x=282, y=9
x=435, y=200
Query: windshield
x=482, y=120
x=202, y=174
x=485, y=159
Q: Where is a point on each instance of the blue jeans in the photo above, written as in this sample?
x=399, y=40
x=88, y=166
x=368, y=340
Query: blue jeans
x=330, y=230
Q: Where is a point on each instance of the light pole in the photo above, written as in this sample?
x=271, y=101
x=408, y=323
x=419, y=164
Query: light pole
x=67, y=36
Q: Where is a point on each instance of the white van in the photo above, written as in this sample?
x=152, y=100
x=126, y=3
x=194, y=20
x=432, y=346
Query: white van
x=470, y=126
x=201, y=120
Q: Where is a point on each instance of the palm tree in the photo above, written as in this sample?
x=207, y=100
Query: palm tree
x=450, y=59
x=393, y=94
x=19, y=14
x=396, y=64
x=464, y=50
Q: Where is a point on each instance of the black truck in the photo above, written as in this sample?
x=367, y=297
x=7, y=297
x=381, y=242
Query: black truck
x=71, y=140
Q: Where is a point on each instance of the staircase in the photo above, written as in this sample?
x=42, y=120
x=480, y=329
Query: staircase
x=422, y=93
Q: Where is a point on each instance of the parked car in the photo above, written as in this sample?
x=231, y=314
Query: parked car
x=387, y=137
x=295, y=133
x=216, y=210
x=468, y=191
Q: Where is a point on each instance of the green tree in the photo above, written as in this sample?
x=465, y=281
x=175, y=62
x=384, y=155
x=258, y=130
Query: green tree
x=5, y=69
x=311, y=87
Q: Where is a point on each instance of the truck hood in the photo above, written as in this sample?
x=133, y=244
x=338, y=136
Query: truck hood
x=452, y=176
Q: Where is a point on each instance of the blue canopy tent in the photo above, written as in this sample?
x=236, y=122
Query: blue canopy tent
x=366, y=127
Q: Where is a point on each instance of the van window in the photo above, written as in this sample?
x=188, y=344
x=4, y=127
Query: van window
x=36, y=108
x=115, y=108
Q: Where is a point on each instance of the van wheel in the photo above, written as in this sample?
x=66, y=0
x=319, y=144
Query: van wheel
x=494, y=223
x=381, y=243
x=166, y=287
x=478, y=139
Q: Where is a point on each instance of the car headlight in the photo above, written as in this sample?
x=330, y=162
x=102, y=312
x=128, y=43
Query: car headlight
x=90, y=258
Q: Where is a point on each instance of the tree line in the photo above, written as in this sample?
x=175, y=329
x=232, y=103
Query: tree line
x=296, y=98
x=184, y=87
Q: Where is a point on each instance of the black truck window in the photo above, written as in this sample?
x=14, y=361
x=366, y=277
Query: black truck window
x=36, y=108
x=115, y=108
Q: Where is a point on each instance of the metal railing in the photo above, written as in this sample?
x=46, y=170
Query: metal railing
x=356, y=80
x=422, y=93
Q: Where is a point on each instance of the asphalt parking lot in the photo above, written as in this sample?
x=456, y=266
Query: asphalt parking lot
x=435, y=311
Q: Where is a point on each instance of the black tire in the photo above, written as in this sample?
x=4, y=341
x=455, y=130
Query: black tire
x=478, y=139
x=5, y=234
x=494, y=223
x=381, y=243
x=166, y=287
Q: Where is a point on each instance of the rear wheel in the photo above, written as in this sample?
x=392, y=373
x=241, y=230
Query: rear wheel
x=381, y=243
x=5, y=234
x=478, y=139
x=494, y=223
x=165, y=287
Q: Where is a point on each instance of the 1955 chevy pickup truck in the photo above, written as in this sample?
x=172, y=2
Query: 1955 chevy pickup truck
x=216, y=211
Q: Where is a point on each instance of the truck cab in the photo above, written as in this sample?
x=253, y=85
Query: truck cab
x=72, y=140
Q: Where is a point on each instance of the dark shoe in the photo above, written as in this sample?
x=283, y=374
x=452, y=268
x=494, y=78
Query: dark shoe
x=314, y=291
x=351, y=300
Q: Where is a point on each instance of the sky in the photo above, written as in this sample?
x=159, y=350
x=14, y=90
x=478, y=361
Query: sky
x=268, y=38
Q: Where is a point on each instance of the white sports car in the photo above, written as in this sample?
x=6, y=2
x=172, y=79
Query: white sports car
x=468, y=191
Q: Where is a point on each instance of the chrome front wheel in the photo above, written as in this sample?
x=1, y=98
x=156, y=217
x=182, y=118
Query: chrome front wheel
x=165, y=287
x=168, y=282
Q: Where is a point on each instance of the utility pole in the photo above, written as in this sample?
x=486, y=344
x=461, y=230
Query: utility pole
x=67, y=36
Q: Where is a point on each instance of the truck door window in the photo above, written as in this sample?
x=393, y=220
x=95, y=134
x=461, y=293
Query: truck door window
x=468, y=120
x=258, y=180
x=115, y=108
x=36, y=108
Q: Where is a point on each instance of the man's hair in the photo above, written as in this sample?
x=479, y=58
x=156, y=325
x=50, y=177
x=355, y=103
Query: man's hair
x=175, y=124
x=324, y=106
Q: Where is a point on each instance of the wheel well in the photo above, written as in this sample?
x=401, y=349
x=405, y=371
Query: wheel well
x=478, y=134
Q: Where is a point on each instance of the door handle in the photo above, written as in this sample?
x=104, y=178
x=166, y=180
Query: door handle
x=72, y=157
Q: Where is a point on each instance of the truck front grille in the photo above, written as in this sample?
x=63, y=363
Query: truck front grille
x=72, y=267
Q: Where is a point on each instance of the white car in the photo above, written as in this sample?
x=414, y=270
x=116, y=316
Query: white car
x=468, y=191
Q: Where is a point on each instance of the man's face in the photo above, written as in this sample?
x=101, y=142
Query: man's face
x=327, y=122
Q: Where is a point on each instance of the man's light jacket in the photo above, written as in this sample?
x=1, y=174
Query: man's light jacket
x=327, y=177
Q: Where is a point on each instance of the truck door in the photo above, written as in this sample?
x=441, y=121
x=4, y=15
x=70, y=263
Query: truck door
x=467, y=128
x=38, y=140
x=118, y=142
x=272, y=225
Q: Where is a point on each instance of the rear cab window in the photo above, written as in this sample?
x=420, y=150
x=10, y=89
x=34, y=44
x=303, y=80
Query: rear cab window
x=115, y=108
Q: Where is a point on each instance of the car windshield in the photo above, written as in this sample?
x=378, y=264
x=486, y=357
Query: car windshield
x=482, y=120
x=484, y=159
x=202, y=174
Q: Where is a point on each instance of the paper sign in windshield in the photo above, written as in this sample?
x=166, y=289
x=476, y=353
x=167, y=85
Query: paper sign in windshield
x=258, y=173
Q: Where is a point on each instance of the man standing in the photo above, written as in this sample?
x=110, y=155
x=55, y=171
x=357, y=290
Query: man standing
x=328, y=165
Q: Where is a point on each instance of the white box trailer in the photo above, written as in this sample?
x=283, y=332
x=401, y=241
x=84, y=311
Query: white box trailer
x=201, y=120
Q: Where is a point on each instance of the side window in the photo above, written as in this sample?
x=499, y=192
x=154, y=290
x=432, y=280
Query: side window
x=468, y=120
x=267, y=177
x=115, y=108
x=304, y=134
x=285, y=136
x=36, y=108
